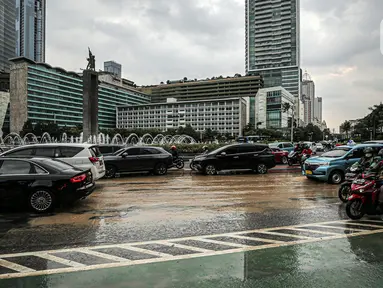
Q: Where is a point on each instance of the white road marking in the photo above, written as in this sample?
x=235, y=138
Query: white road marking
x=15, y=267
x=285, y=235
x=103, y=255
x=224, y=243
x=60, y=260
x=162, y=257
x=187, y=247
x=364, y=225
x=340, y=227
x=313, y=231
x=256, y=239
x=142, y=250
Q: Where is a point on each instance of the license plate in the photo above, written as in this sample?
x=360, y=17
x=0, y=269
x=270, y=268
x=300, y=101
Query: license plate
x=308, y=172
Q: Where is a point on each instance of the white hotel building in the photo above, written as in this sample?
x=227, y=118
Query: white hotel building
x=227, y=116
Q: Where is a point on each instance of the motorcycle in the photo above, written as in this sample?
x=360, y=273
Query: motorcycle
x=294, y=158
x=192, y=165
x=364, y=198
x=353, y=173
x=179, y=163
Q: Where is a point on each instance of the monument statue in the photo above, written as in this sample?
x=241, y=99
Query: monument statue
x=91, y=61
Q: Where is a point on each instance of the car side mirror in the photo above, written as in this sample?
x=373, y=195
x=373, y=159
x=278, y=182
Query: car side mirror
x=223, y=154
x=125, y=154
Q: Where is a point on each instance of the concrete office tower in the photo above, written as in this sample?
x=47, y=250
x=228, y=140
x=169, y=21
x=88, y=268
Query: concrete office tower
x=318, y=109
x=7, y=34
x=273, y=44
x=30, y=29
x=113, y=67
x=308, y=96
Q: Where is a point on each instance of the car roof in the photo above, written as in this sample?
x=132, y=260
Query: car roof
x=368, y=145
x=111, y=145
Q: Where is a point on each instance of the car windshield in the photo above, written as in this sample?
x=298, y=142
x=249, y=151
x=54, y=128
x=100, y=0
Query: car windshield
x=273, y=145
x=336, y=153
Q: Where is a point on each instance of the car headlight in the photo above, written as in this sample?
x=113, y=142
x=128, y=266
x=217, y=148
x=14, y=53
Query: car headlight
x=324, y=164
x=361, y=190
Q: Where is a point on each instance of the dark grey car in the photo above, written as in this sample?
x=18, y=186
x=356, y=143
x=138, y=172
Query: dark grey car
x=138, y=159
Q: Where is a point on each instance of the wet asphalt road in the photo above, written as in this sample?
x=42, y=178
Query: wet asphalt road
x=145, y=208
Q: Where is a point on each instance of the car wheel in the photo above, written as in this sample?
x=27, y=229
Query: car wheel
x=261, y=168
x=336, y=177
x=160, y=169
x=285, y=160
x=110, y=172
x=41, y=201
x=210, y=169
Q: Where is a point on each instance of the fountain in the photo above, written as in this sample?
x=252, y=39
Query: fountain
x=14, y=139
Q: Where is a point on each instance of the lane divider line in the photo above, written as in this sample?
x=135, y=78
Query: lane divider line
x=183, y=257
x=60, y=260
x=364, y=225
x=224, y=243
x=15, y=267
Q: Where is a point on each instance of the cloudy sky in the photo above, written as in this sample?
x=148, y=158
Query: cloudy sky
x=157, y=40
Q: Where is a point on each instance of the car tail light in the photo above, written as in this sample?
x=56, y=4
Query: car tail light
x=77, y=179
x=94, y=159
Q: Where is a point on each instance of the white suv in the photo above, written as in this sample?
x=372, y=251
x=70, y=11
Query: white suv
x=83, y=156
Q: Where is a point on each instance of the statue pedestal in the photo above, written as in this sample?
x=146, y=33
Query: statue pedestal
x=90, y=104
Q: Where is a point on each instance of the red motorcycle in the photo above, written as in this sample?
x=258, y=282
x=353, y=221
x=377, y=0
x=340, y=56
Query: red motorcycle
x=364, y=197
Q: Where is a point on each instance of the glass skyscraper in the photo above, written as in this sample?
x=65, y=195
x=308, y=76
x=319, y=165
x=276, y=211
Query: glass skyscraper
x=273, y=44
x=7, y=33
x=30, y=29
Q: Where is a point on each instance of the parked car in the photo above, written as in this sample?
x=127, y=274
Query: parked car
x=281, y=156
x=320, y=147
x=312, y=146
x=138, y=159
x=83, y=156
x=256, y=157
x=42, y=183
x=331, y=166
x=287, y=146
x=109, y=149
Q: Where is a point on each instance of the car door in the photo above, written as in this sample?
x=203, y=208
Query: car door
x=129, y=160
x=15, y=178
x=148, y=158
x=231, y=160
x=247, y=157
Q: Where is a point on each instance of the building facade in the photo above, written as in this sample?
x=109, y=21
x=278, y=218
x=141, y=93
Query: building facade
x=215, y=88
x=43, y=93
x=308, y=96
x=7, y=33
x=30, y=29
x=273, y=44
x=226, y=115
x=318, y=109
x=113, y=68
x=268, y=108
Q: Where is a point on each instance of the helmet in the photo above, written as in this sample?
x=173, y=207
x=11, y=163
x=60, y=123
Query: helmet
x=173, y=147
x=204, y=147
x=368, y=152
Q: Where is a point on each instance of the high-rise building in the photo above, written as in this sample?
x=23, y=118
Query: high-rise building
x=7, y=33
x=273, y=44
x=113, y=67
x=30, y=29
x=308, y=96
x=318, y=109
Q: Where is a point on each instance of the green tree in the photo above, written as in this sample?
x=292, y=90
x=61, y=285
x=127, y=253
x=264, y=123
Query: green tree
x=346, y=127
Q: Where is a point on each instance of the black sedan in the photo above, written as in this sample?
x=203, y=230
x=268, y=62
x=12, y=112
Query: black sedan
x=138, y=159
x=42, y=183
x=256, y=157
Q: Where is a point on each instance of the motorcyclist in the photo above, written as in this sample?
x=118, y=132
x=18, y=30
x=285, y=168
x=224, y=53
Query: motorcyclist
x=367, y=159
x=377, y=168
x=174, y=152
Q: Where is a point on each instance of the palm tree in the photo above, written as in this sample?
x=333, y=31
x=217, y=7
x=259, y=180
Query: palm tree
x=346, y=127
